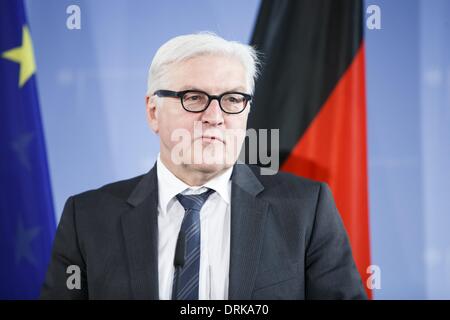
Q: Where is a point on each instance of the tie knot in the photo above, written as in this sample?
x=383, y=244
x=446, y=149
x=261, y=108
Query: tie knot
x=194, y=201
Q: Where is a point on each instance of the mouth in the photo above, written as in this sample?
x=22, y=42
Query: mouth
x=212, y=139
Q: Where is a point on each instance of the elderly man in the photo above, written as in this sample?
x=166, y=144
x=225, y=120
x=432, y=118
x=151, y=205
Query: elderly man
x=199, y=225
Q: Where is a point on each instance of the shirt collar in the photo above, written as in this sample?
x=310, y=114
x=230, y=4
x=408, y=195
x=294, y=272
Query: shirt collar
x=169, y=185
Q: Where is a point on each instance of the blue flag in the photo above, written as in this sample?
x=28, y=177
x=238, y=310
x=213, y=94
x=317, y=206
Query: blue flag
x=27, y=222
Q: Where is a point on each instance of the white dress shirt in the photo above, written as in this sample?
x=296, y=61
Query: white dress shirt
x=215, y=232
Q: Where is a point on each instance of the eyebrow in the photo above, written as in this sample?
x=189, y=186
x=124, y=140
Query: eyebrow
x=189, y=87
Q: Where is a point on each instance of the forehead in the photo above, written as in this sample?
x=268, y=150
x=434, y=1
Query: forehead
x=211, y=73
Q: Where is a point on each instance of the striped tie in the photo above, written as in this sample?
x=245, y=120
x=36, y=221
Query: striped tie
x=186, y=277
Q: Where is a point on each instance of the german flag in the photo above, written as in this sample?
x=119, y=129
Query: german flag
x=312, y=89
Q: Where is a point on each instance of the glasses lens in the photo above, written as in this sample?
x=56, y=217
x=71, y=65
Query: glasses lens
x=233, y=102
x=195, y=101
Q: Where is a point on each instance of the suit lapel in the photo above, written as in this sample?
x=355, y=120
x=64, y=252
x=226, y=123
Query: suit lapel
x=140, y=230
x=248, y=216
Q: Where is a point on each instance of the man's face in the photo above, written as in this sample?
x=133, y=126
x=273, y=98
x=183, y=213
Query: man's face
x=186, y=137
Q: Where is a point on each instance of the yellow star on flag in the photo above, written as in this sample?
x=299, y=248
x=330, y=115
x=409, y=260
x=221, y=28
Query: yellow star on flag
x=24, y=56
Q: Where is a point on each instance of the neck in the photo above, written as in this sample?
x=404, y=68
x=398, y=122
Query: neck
x=189, y=175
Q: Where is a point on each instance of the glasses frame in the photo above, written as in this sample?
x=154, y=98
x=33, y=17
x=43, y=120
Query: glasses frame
x=181, y=94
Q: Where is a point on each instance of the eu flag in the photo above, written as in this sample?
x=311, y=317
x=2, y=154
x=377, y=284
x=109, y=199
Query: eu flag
x=27, y=222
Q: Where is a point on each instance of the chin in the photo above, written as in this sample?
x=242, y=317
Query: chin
x=208, y=168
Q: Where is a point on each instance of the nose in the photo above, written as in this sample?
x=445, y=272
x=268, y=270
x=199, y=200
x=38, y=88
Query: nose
x=213, y=115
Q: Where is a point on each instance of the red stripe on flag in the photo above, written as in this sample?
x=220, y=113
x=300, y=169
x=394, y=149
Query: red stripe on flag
x=334, y=149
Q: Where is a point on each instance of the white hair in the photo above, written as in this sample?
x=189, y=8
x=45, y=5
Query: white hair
x=188, y=46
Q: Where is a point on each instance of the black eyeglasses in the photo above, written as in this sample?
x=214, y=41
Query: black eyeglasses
x=199, y=101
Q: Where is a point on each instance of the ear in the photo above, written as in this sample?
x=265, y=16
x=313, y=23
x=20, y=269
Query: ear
x=152, y=113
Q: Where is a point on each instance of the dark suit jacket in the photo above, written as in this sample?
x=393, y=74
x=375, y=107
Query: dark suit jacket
x=287, y=241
